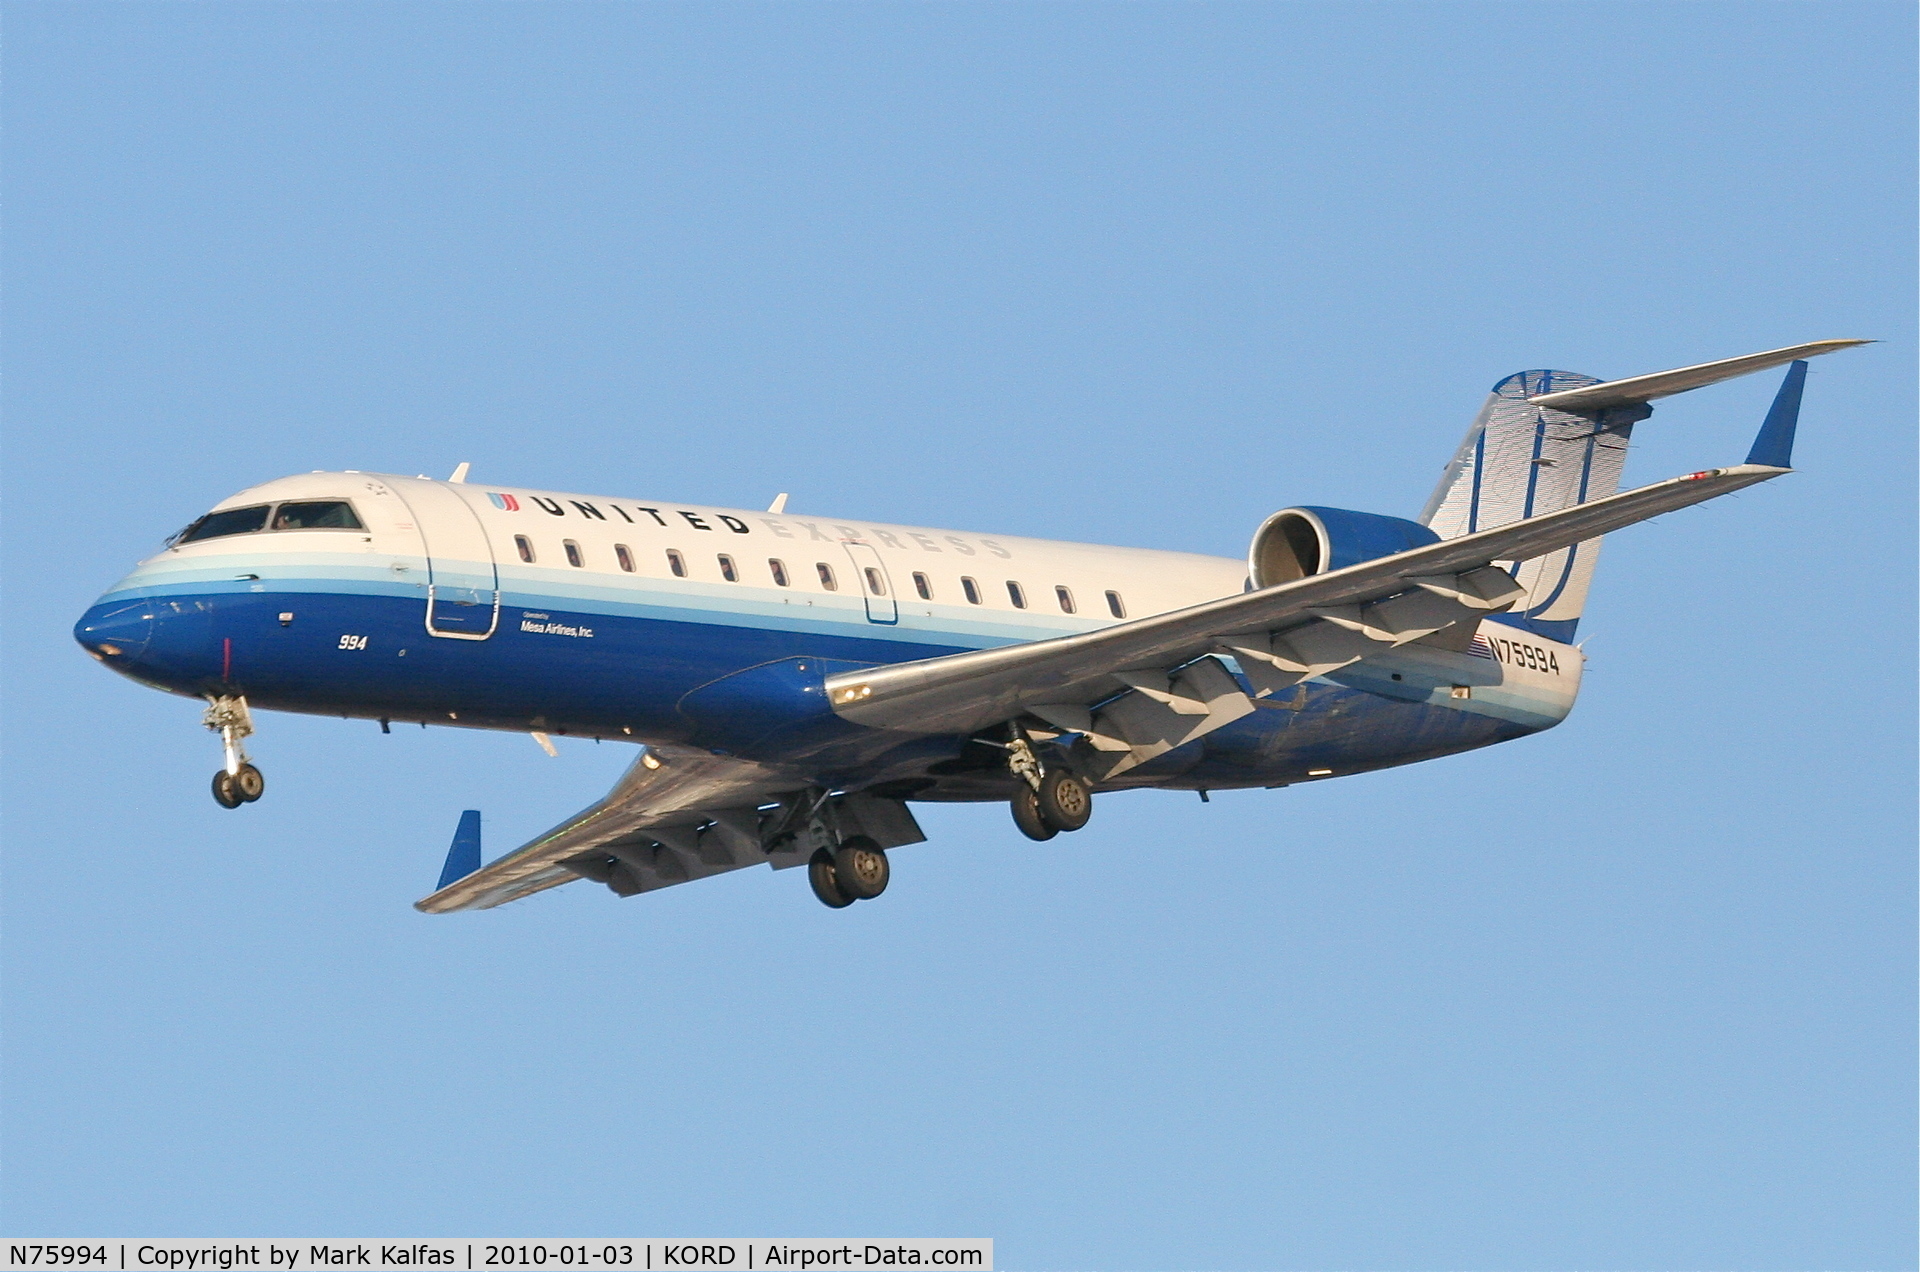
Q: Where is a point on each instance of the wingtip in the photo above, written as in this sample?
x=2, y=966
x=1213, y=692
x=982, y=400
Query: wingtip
x=1818, y=347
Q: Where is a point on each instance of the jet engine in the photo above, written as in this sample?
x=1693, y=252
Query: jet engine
x=1297, y=543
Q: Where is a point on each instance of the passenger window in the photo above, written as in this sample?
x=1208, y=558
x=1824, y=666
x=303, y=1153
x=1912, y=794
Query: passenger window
x=217, y=525
x=525, y=545
x=1066, y=599
x=1115, y=606
x=826, y=576
x=1016, y=594
x=972, y=590
x=676, y=563
x=317, y=514
x=779, y=569
x=874, y=582
x=923, y=585
x=574, y=558
x=623, y=556
x=727, y=570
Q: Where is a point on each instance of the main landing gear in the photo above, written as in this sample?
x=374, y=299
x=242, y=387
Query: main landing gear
x=855, y=871
x=1047, y=798
x=239, y=782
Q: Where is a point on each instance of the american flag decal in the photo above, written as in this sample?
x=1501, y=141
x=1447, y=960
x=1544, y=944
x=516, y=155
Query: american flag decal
x=505, y=502
x=1481, y=647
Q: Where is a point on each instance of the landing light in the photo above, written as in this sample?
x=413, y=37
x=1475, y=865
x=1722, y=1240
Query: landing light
x=1319, y=772
x=111, y=651
x=854, y=693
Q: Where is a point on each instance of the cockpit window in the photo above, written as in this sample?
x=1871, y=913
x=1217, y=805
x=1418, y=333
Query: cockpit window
x=228, y=521
x=317, y=514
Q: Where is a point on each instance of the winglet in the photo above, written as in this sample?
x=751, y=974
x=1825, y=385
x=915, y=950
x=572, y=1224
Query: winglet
x=464, y=857
x=1773, y=446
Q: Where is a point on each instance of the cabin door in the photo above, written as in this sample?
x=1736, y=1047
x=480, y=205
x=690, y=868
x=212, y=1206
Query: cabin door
x=463, y=584
x=870, y=575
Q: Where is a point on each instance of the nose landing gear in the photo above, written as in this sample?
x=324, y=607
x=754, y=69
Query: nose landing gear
x=239, y=782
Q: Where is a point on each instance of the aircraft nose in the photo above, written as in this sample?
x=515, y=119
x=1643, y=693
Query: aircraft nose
x=116, y=630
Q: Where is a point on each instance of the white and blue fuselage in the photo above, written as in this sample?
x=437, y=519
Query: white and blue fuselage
x=589, y=616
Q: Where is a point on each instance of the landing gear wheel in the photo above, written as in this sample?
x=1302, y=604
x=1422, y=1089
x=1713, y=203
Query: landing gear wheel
x=860, y=868
x=1064, y=801
x=826, y=886
x=1026, y=814
x=224, y=792
x=248, y=784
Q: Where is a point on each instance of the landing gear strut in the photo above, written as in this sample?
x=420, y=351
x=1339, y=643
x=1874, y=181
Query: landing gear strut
x=1047, y=799
x=239, y=782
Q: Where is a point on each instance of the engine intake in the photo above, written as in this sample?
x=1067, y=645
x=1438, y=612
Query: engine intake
x=1297, y=543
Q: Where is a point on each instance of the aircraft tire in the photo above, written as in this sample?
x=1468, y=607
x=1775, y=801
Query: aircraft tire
x=1026, y=814
x=1063, y=800
x=248, y=784
x=860, y=868
x=224, y=793
x=822, y=877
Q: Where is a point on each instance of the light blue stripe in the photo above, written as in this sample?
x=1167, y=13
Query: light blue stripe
x=540, y=589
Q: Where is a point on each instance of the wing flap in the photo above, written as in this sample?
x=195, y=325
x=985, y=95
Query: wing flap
x=1202, y=697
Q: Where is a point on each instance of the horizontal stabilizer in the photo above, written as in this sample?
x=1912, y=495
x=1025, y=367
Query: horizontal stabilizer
x=464, y=857
x=1645, y=388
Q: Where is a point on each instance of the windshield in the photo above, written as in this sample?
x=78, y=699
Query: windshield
x=305, y=514
x=317, y=514
x=229, y=521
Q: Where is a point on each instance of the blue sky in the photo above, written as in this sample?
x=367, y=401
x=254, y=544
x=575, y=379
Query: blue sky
x=1635, y=993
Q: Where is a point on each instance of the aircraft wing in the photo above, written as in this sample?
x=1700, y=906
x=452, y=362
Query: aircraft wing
x=1279, y=636
x=675, y=815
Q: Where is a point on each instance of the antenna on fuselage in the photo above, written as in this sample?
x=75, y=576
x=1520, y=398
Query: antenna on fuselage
x=779, y=503
x=460, y=473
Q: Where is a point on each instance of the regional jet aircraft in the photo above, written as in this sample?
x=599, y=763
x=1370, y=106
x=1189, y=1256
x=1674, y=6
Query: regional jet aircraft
x=793, y=682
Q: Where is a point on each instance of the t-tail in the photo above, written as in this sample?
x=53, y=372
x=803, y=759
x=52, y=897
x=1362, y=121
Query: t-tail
x=1546, y=440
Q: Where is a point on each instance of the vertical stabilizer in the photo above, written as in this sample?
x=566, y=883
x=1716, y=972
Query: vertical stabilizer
x=1521, y=459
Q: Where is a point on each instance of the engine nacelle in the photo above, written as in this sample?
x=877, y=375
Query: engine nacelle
x=1297, y=543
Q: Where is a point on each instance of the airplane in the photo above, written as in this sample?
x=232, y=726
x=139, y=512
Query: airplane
x=792, y=683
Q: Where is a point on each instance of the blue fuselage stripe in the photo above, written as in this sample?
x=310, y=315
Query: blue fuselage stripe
x=655, y=661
